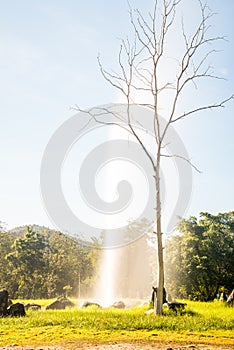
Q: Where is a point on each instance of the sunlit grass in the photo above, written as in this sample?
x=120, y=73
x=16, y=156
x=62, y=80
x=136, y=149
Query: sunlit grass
x=202, y=322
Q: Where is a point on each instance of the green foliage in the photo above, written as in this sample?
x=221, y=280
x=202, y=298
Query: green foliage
x=200, y=260
x=27, y=264
x=39, y=264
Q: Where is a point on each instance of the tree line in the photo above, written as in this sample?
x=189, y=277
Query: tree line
x=200, y=257
x=45, y=264
x=37, y=262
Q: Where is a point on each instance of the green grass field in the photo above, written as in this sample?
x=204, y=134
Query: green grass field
x=209, y=323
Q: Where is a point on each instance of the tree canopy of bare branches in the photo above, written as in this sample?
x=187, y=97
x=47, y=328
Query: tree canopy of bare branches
x=159, y=65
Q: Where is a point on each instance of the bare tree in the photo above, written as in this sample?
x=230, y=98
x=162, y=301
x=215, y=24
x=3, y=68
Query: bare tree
x=140, y=62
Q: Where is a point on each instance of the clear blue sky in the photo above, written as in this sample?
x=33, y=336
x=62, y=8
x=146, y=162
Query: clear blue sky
x=48, y=51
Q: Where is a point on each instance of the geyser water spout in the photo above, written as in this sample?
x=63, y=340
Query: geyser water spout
x=106, y=283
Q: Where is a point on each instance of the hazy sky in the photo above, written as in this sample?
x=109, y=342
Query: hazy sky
x=48, y=63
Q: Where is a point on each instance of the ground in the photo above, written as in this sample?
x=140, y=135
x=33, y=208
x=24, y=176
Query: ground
x=123, y=346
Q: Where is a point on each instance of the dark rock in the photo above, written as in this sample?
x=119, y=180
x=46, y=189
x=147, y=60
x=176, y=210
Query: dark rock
x=119, y=305
x=16, y=310
x=3, y=302
x=176, y=306
x=154, y=296
x=89, y=303
x=60, y=304
x=32, y=306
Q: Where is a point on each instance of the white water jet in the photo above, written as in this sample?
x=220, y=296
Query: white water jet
x=107, y=276
x=126, y=274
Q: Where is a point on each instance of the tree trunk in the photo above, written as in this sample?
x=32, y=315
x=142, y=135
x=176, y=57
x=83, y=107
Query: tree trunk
x=158, y=308
x=159, y=305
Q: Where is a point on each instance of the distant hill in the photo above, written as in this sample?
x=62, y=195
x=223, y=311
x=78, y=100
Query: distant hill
x=20, y=231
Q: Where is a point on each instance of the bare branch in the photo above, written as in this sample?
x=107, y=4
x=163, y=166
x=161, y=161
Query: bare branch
x=146, y=43
x=139, y=71
x=151, y=159
x=94, y=115
x=183, y=158
x=110, y=78
x=202, y=108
